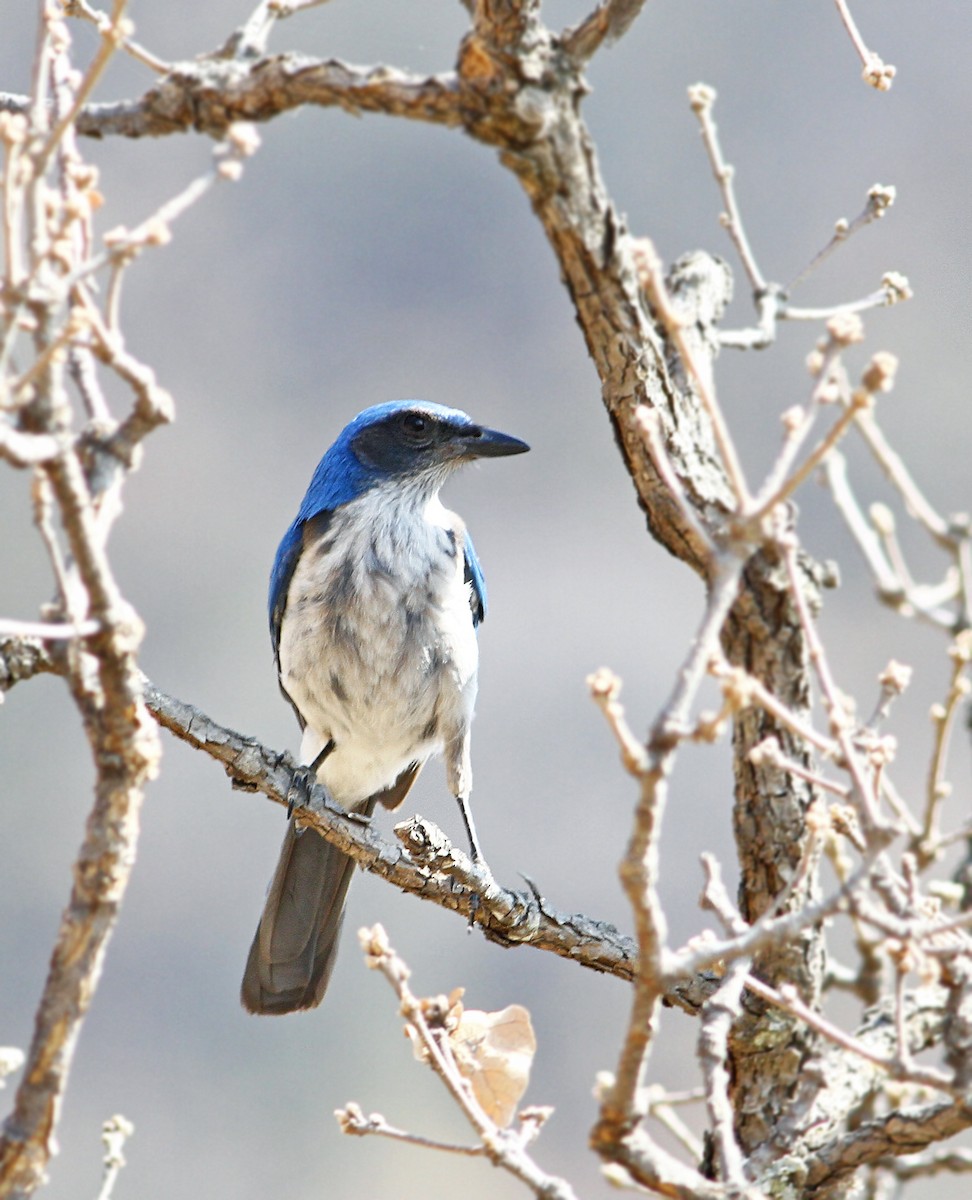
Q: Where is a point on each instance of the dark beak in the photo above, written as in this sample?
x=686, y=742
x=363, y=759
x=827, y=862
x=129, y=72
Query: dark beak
x=487, y=443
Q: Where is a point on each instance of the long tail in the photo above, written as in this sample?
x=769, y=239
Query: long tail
x=295, y=944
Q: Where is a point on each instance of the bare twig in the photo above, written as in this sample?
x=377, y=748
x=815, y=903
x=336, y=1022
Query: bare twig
x=702, y=98
x=876, y=72
x=652, y=280
x=47, y=630
x=894, y=468
x=661, y=1105
x=81, y=8
x=880, y=198
x=352, y=1120
x=113, y=34
x=839, y=718
x=620, y=1103
x=609, y=21
x=114, y=1134
x=943, y=718
x=954, y=1162
x=504, y=1147
x=788, y=999
x=717, y=1019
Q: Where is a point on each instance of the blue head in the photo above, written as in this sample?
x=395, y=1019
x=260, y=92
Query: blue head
x=402, y=439
x=409, y=441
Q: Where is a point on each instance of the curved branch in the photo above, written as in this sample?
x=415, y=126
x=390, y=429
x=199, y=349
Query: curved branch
x=209, y=94
x=506, y=917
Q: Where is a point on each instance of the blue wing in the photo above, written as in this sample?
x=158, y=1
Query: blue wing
x=474, y=575
x=288, y=553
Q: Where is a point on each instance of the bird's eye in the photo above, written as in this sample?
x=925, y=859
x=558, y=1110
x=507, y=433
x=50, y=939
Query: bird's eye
x=417, y=428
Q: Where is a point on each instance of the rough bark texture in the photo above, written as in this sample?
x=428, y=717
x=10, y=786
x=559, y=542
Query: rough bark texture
x=803, y=1117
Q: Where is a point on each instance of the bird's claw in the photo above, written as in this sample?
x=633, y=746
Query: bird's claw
x=298, y=794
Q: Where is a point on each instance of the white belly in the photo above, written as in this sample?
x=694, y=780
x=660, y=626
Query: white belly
x=377, y=646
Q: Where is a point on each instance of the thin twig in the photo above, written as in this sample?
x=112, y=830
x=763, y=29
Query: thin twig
x=112, y=36
x=787, y=999
x=894, y=468
x=351, y=1120
x=955, y=1162
x=661, y=1104
x=943, y=718
x=879, y=199
x=876, y=72
x=114, y=1134
x=609, y=21
x=504, y=1147
x=702, y=99
x=649, y=421
x=838, y=716
x=80, y=8
x=743, y=690
x=47, y=630
x=639, y=869
x=652, y=280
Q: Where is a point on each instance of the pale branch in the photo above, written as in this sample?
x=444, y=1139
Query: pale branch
x=943, y=717
x=609, y=21
x=101, y=671
x=695, y=362
x=112, y=35
x=250, y=40
x=878, y=74
x=879, y=199
x=505, y=1148
x=891, y=588
x=718, y=1017
x=352, y=1120
x=122, y=245
x=115, y=1132
x=786, y=998
x=743, y=691
x=954, y=1162
x=771, y=307
x=22, y=449
x=803, y=470
x=702, y=99
x=661, y=1105
x=46, y=630
x=772, y=299
x=901, y=1132
x=638, y=1162
x=506, y=917
x=898, y=474
x=103, y=23
x=798, y=422
x=864, y=794
x=210, y=94
x=651, y=424
x=620, y=1102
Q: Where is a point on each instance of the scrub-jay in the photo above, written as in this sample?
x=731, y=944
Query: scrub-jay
x=375, y=596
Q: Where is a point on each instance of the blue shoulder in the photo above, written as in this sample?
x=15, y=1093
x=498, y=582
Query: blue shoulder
x=288, y=552
x=474, y=576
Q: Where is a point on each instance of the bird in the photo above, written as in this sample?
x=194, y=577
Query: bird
x=375, y=598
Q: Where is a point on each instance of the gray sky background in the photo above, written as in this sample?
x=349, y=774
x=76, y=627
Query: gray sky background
x=361, y=260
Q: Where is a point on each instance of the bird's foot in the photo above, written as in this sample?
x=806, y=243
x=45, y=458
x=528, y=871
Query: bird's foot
x=299, y=792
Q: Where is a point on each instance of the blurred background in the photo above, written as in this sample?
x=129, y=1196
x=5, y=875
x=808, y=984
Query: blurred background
x=361, y=260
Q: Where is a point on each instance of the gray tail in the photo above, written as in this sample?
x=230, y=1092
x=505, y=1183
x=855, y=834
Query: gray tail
x=295, y=944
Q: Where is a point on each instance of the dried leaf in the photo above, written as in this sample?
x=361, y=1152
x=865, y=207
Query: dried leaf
x=494, y=1052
